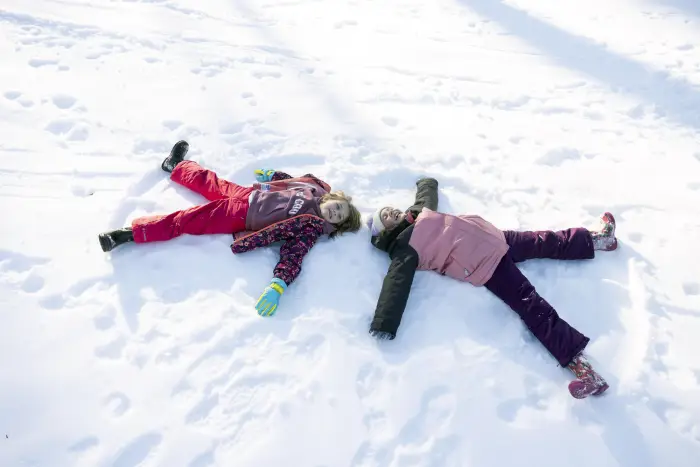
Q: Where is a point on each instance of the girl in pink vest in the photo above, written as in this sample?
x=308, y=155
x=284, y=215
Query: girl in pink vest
x=470, y=249
x=280, y=208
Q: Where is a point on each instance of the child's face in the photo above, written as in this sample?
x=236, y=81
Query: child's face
x=335, y=212
x=391, y=217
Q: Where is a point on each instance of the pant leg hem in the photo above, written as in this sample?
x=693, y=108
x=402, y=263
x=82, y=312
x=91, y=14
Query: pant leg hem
x=564, y=362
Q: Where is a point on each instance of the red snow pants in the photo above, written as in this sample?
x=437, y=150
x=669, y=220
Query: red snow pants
x=225, y=213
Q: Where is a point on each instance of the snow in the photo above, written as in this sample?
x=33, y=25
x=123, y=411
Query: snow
x=536, y=114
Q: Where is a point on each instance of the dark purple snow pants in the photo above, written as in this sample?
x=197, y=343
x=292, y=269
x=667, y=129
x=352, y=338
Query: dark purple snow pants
x=510, y=285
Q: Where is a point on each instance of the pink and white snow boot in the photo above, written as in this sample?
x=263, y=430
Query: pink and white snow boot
x=604, y=239
x=587, y=382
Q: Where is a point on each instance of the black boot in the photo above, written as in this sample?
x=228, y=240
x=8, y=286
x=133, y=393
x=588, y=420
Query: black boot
x=177, y=155
x=110, y=240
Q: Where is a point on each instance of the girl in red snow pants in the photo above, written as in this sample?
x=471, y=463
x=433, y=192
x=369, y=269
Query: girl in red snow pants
x=225, y=213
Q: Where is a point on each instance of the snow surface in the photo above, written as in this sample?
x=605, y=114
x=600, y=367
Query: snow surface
x=536, y=114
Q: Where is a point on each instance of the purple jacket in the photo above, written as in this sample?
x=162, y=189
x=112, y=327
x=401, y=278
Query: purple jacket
x=269, y=207
x=298, y=233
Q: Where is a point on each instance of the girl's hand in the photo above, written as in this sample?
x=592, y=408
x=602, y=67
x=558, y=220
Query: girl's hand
x=264, y=175
x=269, y=300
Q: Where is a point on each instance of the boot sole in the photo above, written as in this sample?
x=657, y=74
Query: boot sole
x=172, y=151
x=580, y=390
x=106, y=243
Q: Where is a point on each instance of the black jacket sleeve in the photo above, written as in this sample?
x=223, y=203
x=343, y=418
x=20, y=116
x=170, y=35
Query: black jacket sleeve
x=426, y=196
x=396, y=287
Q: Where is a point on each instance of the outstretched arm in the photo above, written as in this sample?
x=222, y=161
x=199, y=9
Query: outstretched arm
x=293, y=250
x=271, y=175
x=426, y=196
x=395, y=290
x=299, y=234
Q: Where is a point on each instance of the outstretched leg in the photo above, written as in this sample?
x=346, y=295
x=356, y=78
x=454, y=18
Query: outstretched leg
x=566, y=244
x=570, y=244
x=224, y=216
x=205, y=182
x=198, y=179
x=559, y=338
x=564, y=342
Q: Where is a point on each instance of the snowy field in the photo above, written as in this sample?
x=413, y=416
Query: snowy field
x=536, y=114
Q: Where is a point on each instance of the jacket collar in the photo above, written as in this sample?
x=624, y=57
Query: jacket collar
x=386, y=239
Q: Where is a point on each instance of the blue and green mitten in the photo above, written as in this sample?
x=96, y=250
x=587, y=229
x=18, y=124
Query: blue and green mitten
x=264, y=175
x=270, y=298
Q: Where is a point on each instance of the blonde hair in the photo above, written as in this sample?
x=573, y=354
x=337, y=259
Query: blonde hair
x=354, y=221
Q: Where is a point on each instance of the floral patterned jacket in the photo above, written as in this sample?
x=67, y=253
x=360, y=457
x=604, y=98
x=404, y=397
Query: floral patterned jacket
x=298, y=234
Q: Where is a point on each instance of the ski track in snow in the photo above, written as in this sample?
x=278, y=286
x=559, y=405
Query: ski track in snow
x=536, y=115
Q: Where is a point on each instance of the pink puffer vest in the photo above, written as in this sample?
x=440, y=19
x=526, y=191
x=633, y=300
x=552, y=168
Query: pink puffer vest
x=466, y=248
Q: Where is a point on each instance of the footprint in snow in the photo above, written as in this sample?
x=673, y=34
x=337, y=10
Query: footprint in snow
x=33, y=283
x=60, y=127
x=12, y=95
x=205, y=459
x=26, y=103
x=171, y=124
x=138, y=450
x=112, y=350
x=85, y=444
x=17, y=96
x=17, y=262
x=63, y=101
x=202, y=410
x=80, y=133
x=593, y=115
x=691, y=288
x=116, y=404
x=105, y=319
x=558, y=156
x=267, y=74
x=390, y=121
x=40, y=62
x=53, y=302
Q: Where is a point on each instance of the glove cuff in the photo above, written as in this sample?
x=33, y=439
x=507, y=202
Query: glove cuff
x=279, y=285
